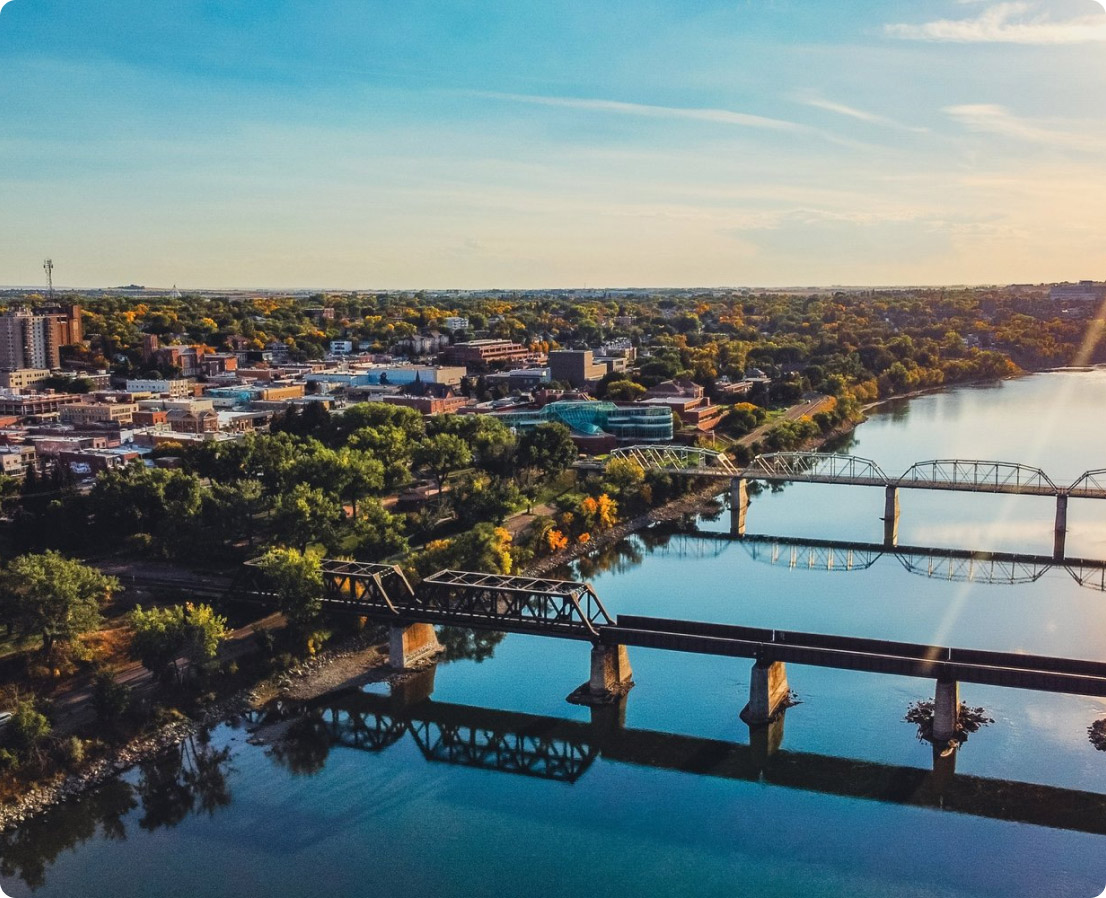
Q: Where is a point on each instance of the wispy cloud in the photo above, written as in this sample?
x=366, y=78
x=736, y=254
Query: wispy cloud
x=861, y=115
x=988, y=118
x=643, y=110
x=1008, y=23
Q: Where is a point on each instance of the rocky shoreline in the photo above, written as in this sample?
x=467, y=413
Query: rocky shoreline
x=61, y=788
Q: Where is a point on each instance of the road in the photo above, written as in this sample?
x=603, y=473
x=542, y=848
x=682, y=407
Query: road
x=806, y=408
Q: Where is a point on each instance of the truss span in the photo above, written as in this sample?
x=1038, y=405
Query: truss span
x=1090, y=485
x=979, y=477
x=816, y=467
x=532, y=604
x=678, y=460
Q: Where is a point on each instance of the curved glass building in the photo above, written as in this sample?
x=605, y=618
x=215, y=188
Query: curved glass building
x=637, y=424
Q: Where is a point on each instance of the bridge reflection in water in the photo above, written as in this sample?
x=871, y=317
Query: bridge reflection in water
x=933, y=562
x=563, y=750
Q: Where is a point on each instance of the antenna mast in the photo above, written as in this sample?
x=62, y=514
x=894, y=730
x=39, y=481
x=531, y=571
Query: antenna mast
x=48, y=267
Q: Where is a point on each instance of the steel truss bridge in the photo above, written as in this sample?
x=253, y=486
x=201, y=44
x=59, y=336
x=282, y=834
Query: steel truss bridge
x=540, y=605
x=961, y=475
x=572, y=610
x=562, y=750
x=678, y=460
x=934, y=563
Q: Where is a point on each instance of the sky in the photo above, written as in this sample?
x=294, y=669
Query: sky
x=425, y=144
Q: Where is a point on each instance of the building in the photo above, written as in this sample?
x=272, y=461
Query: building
x=341, y=347
x=687, y=400
x=214, y=364
x=455, y=323
x=37, y=403
x=33, y=339
x=1084, y=291
x=522, y=379
x=176, y=388
x=429, y=405
x=279, y=392
x=99, y=412
x=576, y=367
x=21, y=380
x=481, y=353
x=597, y=426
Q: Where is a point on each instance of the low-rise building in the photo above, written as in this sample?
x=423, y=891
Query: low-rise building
x=91, y=412
x=481, y=353
x=33, y=404
x=174, y=388
x=22, y=380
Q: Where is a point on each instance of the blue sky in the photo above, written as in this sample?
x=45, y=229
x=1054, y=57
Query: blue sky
x=273, y=143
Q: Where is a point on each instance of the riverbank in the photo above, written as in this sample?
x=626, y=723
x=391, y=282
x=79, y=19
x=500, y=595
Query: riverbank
x=351, y=663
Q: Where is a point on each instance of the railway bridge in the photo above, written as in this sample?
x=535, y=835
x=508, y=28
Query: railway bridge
x=571, y=610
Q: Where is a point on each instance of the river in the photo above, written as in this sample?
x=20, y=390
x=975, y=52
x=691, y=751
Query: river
x=497, y=786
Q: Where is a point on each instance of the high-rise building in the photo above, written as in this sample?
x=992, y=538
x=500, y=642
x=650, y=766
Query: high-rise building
x=33, y=339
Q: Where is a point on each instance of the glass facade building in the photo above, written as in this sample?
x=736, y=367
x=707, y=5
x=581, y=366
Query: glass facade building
x=642, y=424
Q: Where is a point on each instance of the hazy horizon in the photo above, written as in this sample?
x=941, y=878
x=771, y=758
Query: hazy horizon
x=552, y=145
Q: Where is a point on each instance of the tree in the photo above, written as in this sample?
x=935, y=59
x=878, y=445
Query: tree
x=298, y=582
x=624, y=391
x=53, y=596
x=482, y=498
x=306, y=515
x=442, y=454
x=164, y=635
x=378, y=532
x=548, y=449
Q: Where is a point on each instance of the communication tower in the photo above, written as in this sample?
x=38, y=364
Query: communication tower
x=48, y=267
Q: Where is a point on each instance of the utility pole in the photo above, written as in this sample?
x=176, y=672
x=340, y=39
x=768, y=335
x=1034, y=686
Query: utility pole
x=48, y=267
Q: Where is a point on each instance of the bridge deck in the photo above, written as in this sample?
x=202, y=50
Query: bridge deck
x=1065, y=675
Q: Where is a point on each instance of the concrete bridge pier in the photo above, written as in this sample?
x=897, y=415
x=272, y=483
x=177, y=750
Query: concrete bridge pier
x=409, y=644
x=768, y=693
x=611, y=677
x=765, y=739
x=891, y=516
x=739, y=505
x=413, y=689
x=1061, y=529
x=946, y=711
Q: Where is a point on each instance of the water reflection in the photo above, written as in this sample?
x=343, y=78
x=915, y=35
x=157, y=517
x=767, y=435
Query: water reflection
x=189, y=779
x=685, y=540
x=564, y=750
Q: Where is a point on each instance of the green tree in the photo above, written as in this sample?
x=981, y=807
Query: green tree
x=441, y=455
x=547, y=450
x=52, y=596
x=297, y=581
x=306, y=515
x=162, y=636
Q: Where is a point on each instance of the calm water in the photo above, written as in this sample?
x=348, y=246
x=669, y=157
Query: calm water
x=497, y=786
